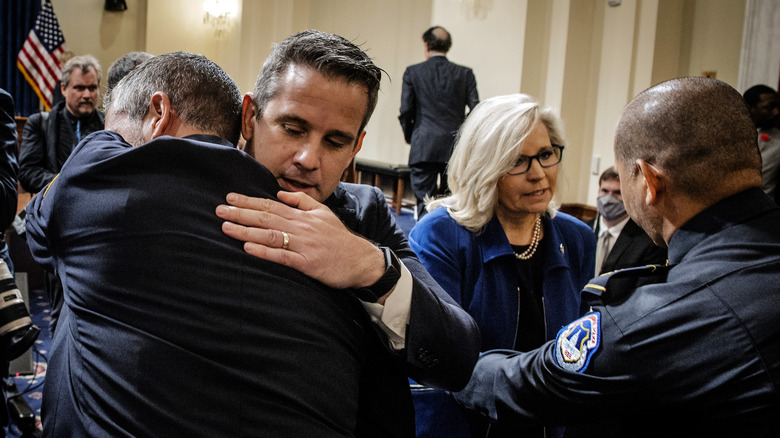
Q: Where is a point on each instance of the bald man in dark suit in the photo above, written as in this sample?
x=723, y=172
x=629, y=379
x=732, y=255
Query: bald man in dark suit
x=433, y=101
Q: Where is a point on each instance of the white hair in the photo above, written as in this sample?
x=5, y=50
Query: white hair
x=488, y=145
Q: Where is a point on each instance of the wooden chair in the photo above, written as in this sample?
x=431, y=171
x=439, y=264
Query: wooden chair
x=582, y=212
x=399, y=172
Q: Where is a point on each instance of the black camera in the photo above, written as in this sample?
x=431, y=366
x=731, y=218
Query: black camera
x=17, y=332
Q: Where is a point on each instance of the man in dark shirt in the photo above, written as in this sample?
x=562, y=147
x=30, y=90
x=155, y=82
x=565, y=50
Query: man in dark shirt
x=697, y=352
x=764, y=104
x=49, y=137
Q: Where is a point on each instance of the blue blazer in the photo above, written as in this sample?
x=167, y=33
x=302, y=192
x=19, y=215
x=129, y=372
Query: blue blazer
x=479, y=271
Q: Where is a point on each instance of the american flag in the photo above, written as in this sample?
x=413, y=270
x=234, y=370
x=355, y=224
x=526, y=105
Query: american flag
x=39, y=59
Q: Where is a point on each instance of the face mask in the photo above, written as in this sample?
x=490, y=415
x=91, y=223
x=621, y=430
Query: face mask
x=610, y=207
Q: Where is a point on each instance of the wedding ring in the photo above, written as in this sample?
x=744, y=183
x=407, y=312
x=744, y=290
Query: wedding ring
x=285, y=240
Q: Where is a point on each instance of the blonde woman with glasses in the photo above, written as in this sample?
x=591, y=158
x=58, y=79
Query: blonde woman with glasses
x=499, y=248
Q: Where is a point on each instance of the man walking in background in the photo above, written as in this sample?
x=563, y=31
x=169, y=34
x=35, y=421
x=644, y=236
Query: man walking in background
x=433, y=100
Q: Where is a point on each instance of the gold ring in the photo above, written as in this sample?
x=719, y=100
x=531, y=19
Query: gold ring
x=285, y=240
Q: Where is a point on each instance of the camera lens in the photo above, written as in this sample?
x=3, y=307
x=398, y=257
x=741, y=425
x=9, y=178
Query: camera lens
x=17, y=332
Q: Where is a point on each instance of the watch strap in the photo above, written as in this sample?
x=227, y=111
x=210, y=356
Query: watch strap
x=386, y=282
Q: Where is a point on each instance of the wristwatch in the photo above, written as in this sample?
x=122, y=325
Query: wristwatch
x=386, y=282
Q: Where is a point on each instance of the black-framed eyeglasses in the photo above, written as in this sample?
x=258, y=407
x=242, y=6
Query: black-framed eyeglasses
x=547, y=157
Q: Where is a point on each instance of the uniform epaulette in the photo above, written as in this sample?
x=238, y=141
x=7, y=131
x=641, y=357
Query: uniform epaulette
x=608, y=286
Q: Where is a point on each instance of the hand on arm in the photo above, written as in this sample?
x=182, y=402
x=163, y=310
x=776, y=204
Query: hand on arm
x=320, y=246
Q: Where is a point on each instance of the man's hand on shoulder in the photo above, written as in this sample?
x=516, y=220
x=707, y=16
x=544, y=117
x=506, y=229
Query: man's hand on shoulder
x=317, y=242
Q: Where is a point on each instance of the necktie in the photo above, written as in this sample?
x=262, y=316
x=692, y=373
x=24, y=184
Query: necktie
x=78, y=131
x=602, y=251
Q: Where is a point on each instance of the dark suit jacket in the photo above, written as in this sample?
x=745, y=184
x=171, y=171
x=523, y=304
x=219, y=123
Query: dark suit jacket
x=434, y=96
x=633, y=247
x=9, y=168
x=170, y=329
x=442, y=340
x=8, y=192
x=38, y=158
x=693, y=355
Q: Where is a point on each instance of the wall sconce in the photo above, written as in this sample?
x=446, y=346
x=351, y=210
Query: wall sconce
x=217, y=14
x=478, y=9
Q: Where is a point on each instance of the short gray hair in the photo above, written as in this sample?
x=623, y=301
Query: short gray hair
x=84, y=63
x=202, y=94
x=488, y=145
x=124, y=65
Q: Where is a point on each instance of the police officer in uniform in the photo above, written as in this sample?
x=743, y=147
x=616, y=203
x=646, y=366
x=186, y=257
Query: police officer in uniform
x=697, y=352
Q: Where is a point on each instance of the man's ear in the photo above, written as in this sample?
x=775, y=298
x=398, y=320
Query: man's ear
x=358, y=145
x=160, y=118
x=653, y=180
x=248, y=116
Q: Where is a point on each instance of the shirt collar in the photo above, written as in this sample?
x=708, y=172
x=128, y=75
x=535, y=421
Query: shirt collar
x=208, y=138
x=615, y=230
x=717, y=217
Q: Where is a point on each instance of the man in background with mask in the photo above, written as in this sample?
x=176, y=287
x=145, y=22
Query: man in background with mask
x=621, y=242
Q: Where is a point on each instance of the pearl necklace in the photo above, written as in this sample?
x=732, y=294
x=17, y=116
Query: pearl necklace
x=528, y=253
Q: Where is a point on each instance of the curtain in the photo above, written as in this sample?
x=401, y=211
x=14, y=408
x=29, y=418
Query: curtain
x=17, y=17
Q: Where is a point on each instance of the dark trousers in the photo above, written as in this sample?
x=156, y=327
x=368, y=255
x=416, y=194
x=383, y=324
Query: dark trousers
x=428, y=179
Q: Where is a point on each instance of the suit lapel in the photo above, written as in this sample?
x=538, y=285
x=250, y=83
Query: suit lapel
x=622, y=243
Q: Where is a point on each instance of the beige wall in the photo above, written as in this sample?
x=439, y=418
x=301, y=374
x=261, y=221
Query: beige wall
x=578, y=91
x=580, y=56
x=389, y=31
x=492, y=45
x=89, y=29
x=648, y=41
x=712, y=33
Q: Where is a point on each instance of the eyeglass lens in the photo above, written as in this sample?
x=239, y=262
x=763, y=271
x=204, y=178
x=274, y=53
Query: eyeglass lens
x=546, y=157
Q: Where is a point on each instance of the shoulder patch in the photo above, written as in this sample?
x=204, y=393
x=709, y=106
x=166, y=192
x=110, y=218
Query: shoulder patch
x=577, y=342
